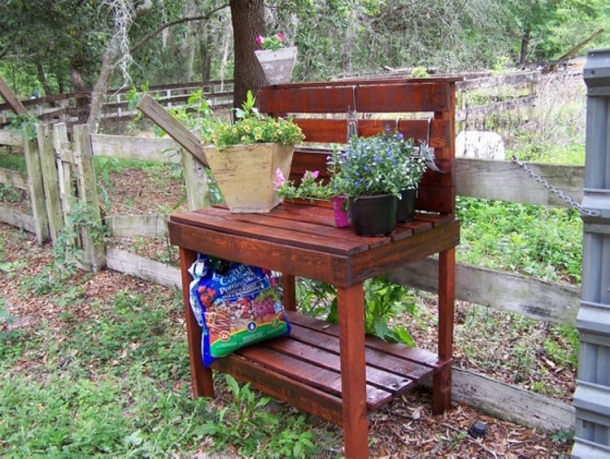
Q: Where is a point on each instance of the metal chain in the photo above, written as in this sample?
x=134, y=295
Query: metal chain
x=560, y=194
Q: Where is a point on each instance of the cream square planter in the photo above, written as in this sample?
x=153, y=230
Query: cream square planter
x=245, y=174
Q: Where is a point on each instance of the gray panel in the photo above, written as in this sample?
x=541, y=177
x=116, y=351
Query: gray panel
x=592, y=396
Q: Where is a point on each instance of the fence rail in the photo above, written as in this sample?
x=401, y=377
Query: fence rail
x=71, y=108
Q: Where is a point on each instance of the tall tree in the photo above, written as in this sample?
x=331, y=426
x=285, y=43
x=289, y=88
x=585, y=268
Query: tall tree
x=248, y=20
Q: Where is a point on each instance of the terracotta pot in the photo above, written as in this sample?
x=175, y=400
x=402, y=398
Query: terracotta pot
x=245, y=174
x=373, y=215
x=406, y=206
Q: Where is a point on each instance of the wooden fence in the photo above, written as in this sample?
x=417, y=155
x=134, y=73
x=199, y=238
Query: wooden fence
x=73, y=108
x=57, y=167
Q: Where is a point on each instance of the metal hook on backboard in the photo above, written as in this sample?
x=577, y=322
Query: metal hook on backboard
x=352, y=117
x=426, y=151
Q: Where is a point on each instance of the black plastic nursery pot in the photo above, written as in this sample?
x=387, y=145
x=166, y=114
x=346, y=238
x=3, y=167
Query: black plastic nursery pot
x=373, y=215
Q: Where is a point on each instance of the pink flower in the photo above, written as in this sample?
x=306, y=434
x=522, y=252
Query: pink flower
x=280, y=36
x=311, y=174
x=259, y=40
x=279, y=178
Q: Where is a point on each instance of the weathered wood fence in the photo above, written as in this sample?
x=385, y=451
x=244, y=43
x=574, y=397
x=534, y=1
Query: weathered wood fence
x=60, y=170
x=73, y=108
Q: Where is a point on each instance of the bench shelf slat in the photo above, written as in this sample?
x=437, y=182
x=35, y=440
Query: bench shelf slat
x=309, y=357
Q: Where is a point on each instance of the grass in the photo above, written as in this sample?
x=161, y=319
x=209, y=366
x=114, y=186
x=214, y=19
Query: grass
x=110, y=376
x=539, y=241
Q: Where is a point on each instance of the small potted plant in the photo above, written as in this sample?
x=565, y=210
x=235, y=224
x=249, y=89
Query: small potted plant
x=276, y=60
x=311, y=189
x=372, y=172
x=245, y=155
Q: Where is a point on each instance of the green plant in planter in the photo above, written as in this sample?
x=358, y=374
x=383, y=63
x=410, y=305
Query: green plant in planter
x=309, y=187
x=385, y=163
x=254, y=127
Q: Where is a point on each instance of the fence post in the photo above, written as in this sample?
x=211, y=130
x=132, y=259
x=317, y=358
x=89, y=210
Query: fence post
x=195, y=181
x=36, y=188
x=592, y=396
x=93, y=247
x=50, y=180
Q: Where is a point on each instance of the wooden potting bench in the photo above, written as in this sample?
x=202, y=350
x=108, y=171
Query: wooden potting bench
x=335, y=371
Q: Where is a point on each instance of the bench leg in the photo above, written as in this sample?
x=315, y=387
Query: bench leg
x=201, y=377
x=350, y=305
x=441, y=382
x=289, y=292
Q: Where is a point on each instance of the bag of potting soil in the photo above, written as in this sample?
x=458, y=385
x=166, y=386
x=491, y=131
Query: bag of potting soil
x=235, y=304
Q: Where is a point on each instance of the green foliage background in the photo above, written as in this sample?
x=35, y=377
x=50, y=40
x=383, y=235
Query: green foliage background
x=44, y=45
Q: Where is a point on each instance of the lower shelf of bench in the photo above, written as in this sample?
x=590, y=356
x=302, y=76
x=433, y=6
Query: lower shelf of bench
x=303, y=369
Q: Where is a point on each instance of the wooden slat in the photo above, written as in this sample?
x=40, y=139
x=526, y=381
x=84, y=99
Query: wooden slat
x=298, y=233
x=14, y=178
x=407, y=367
x=420, y=356
x=11, y=99
x=325, y=130
x=313, y=375
x=139, y=148
x=10, y=138
x=407, y=97
x=295, y=393
x=177, y=131
x=321, y=357
x=284, y=100
x=376, y=97
x=298, y=261
x=17, y=219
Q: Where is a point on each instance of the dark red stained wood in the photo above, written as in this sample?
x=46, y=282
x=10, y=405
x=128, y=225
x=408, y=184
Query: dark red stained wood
x=313, y=375
x=284, y=388
x=201, y=378
x=350, y=311
x=377, y=97
x=419, y=356
x=325, y=130
x=330, y=259
x=406, y=367
x=320, y=356
x=300, y=239
x=242, y=227
x=289, y=294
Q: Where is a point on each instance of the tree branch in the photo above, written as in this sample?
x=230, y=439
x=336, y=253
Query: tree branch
x=8, y=47
x=147, y=37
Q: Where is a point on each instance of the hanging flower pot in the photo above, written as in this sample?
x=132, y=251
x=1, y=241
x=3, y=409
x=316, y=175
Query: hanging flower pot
x=277, y=64
x=373, y=215
x=406, y=206
x=340, y=211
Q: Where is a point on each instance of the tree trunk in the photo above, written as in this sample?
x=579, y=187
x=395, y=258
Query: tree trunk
x=79, y=85
x=248, y=20
x=525, y=42
x=103, y=81
x=42, y=77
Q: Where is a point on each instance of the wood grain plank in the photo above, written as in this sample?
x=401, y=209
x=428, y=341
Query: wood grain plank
x=284, y=388
x=312, y=331
x=294, y=235
x=321, y=378
x=378, y=377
